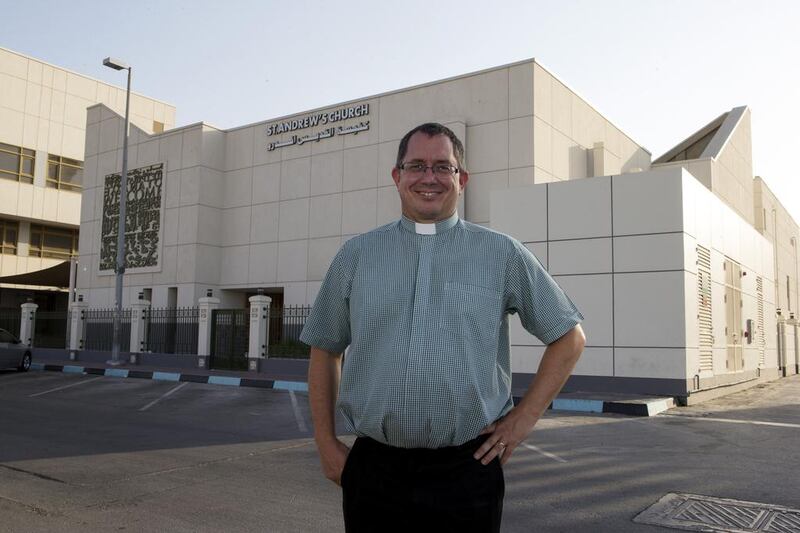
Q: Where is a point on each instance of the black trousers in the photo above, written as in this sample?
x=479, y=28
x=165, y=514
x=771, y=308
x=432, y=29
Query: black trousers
x=389, y=489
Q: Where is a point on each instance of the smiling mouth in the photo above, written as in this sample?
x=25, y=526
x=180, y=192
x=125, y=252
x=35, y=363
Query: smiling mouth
x=428, y=194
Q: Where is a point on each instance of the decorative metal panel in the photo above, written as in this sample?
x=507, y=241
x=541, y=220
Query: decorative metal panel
x=142, y=218
x=761, y=340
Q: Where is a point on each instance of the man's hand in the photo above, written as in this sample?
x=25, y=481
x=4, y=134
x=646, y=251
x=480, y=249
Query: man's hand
x=558, y=360
x=333, y=457
x=505, y=435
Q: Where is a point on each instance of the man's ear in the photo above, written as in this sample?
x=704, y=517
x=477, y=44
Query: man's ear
x=463, y=178
x=396, y=175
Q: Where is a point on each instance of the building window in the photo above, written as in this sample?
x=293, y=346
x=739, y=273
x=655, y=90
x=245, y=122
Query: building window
x=49, y=241
x=158, y=127
x=16, y=163
x=64, y=173
x=10, y=230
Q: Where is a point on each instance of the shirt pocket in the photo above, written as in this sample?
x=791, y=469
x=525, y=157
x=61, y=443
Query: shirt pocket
x=470, y=310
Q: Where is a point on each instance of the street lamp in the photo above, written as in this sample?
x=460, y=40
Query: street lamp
x=116, y=64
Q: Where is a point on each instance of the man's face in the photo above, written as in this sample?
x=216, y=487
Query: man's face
x=429, y=197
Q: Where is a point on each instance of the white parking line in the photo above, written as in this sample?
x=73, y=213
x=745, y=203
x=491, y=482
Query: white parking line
x=168, y=393
x=65, y=387
x=298, y=416
x=735, y=421
x=549, y=455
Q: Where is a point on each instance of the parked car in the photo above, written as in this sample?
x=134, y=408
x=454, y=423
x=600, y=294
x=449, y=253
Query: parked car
x=14, y=354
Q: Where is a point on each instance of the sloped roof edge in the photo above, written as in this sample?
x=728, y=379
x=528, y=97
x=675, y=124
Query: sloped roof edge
x=725, y=124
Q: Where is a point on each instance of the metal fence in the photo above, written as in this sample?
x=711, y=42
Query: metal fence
x=10, y=319
x=51, y=329
x=171, y=330
x=99, y=330
x=285, y=325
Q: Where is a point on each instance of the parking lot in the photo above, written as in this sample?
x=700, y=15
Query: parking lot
x=94, y=453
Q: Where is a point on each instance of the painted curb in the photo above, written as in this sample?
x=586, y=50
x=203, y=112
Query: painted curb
x=230, y=381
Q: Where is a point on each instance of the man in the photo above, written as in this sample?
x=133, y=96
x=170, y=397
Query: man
x=423, y=305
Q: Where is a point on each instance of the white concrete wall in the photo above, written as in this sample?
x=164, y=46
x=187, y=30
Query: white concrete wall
x=632, y=269
x=240, y=216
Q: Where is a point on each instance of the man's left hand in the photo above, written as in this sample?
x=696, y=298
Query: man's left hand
x=505, y=435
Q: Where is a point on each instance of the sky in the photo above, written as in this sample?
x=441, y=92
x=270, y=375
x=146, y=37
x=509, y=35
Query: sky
x=658, y=69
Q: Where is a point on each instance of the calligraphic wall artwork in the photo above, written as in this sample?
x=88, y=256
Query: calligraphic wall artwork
x=142, y=218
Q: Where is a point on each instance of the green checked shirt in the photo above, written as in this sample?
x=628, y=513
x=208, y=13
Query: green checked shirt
x=424, y=310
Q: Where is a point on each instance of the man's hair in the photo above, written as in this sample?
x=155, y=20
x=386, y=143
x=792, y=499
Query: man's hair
x=431, y=129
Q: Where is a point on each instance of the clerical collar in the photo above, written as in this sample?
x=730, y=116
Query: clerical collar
x=429, y=229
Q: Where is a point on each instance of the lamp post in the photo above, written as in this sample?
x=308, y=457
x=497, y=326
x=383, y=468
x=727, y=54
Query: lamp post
x=116, y=64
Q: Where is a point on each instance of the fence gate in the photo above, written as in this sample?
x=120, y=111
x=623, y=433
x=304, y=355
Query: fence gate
x=230, y=338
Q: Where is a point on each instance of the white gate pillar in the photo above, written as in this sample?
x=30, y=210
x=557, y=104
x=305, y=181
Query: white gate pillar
x=259, y=331
x=26, y=323
x=77, y=327
x=139, y=310
x=204, y=325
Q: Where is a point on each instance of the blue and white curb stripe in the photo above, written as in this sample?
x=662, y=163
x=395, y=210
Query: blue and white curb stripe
x=232, y=381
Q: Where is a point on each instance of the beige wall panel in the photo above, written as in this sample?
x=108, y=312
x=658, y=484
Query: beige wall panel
x=33, y=98
x=580, y=209
x=170, y=230
x=213, y=151
x=264, y=223
x=81, y=86
x=634, y=216
x=13, y=64
x=326, y=173
x=192, y=146
x=521, y=90
x=25, y=200
x=639, y=253
x=188, y=224
x=169, y=272
x=360, y=168
x=263, y=263
x=172, y=188
x=235, y=262
x=582, y=256
x=293, y=220
x=543, y=145
x=295, y=293
x=239, y=148
x=592, y=294
x=43, y=134
x=389, y=208
x=295, y=178
x=662, y=363
x=526, y=359
x=521, y=213
x=12, y=92
x=539, y=250
x=520, y=142
x=595, y=362
x=238, y=188
x=561, y=110
x=69, y=207
x=148, y=153
x=521, y=177
x=236, y=226
x=266, y=183
x=478, y=193
x=325, y=216
x=292, y=256
x=169, y=151
x=542, y=94
x=359, y=211
x=11, y=126
x=320, y=254
x=387, y=157
x=37, y=210
x=487, y=147
x=648, y=309
x=312, y=289
x=208, y=264
x=210, y=187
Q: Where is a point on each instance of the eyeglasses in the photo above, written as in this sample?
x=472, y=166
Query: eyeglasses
x=441, y=170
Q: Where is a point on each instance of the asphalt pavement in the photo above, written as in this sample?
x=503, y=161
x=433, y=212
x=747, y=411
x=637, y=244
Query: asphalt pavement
x=97, y=453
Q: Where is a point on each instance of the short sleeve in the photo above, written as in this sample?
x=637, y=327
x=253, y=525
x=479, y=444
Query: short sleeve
x=328, y=325
x=544, y=309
